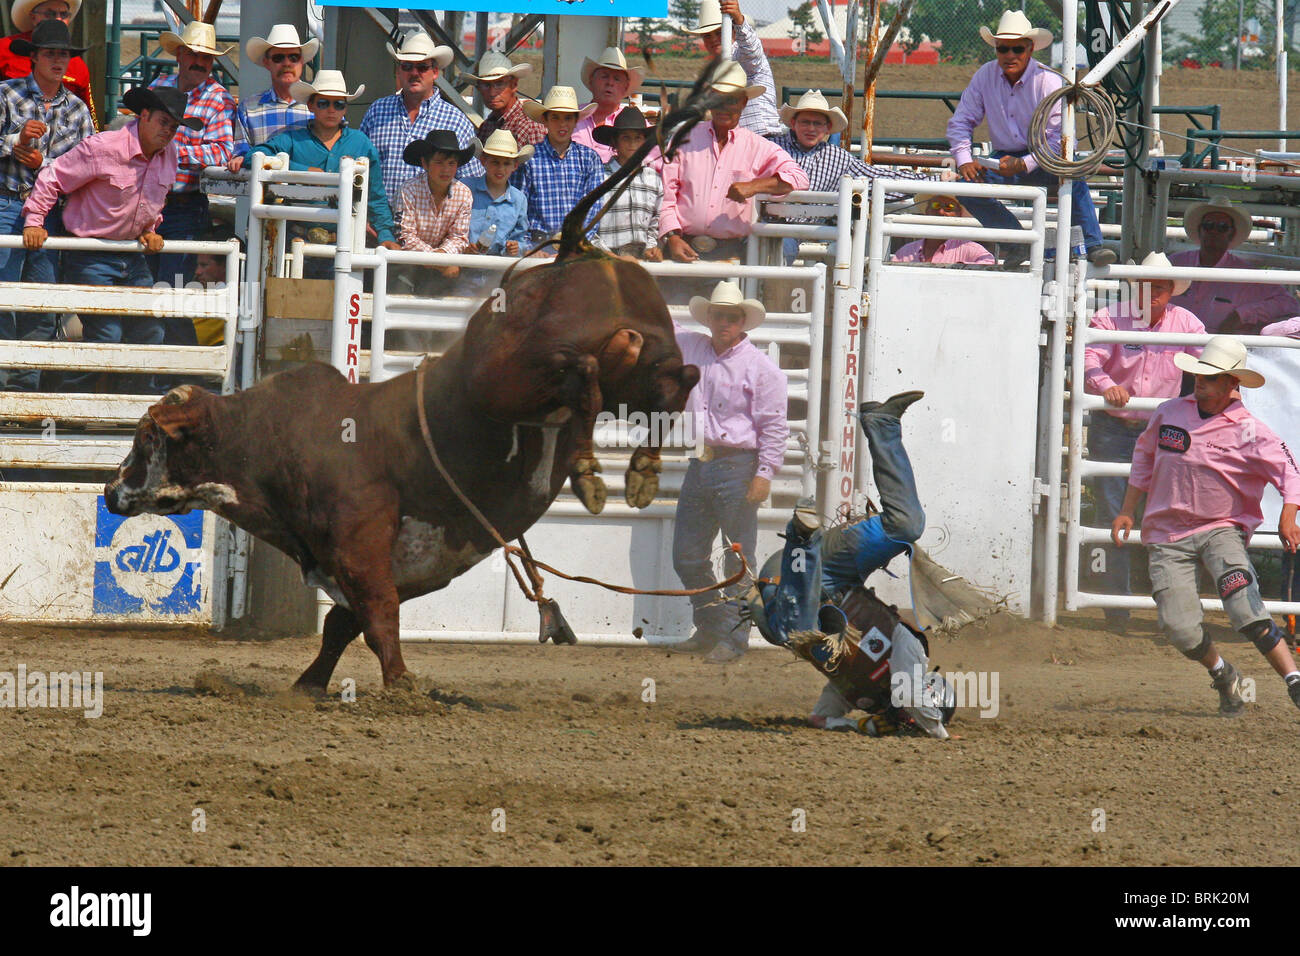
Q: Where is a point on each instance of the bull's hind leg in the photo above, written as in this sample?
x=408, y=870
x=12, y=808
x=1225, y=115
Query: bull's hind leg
x=341, y=628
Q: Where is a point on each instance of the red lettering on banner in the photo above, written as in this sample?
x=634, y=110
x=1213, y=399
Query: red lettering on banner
x=846, y=487
x=850, y=394
x=352, y=328
x=354, y=304
x=853, y=317
x=848, y=436
x=851, y=364
x=846, y=460
x=853, y=340
x=352, y=354
x=352, y=376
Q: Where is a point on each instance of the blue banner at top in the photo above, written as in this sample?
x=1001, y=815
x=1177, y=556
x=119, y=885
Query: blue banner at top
x=564, y=8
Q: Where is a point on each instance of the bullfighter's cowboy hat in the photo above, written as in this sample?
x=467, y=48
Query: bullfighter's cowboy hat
x=197, y=37
x=729, y=294
x=1192, y=218
x=21, y=13
x=1222, y=354
x=613, y=59
x=710, y=18
x=495, y=66
x=438, y=141
x=48, y=35
x=415, y=47
x=1014, y=25
x=283, y=36
x=503, y=143
x=327, y=83
x=629, y=117
x=166, y=98
x=814, y=102
x=1158, y=260
x=730, y=78
x=559, y=99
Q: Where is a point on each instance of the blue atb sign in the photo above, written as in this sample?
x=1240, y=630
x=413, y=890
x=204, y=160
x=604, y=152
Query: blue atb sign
x=148, y=564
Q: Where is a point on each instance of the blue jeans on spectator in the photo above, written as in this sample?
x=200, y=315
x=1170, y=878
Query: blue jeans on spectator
x=1110, y=440
x=712, y=499
x=24, y=265
x=119, y=269
x=183, y=218
x=993, y=215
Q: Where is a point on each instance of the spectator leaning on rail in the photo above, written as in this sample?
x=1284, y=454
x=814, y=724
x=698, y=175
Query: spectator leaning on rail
x=1005, y=92
x=760, y=115
x=435, y=207
x=610, y=81
x=1241, y=307
x=1121, y=373
x=630, y=227
x=739, y=414
x=561, y=171
x=943, y=251
x=395, y=122
x=1203, y=462
x=497, y=80
x=40, y=120
x=498, y=223
x=114, y=186
x=710, y=185
x=283, y=55
x=26, y=15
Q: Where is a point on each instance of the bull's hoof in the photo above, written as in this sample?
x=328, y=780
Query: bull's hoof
x=554, y=626
x=314, y=691
x=642, y=480
x=404, y=682
x=588, y=485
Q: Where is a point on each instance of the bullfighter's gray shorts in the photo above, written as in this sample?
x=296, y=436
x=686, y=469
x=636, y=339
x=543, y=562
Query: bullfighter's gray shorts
x=1173, y=582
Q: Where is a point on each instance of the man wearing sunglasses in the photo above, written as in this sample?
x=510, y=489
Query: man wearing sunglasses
x=283, y=55
x=1006, y=92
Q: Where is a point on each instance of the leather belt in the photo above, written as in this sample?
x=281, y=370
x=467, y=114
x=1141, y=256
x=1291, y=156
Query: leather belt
x=180, y=199
x=710, y=452
x=22, y=194
x=707, y=244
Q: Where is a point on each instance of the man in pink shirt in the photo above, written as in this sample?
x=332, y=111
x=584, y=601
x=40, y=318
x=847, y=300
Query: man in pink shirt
x=1203, y=463
x=738, y=414
x=611, y=81
x=115, y=184
x=943, y=251
x=1236, y=307
x=1120, y=373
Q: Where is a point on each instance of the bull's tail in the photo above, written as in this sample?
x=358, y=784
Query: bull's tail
x=672, y=130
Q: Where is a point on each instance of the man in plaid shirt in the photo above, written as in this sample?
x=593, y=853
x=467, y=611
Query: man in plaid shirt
x=394, y=122
x=630, y=227
x=283, y=55
x=39, y=121
x=498, y=83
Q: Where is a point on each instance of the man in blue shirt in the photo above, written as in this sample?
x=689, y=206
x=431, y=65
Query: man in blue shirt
x=497, y=203
x=283, y=55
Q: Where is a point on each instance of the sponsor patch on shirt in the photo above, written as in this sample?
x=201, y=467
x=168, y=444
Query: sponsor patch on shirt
x=1173, y=438
x=1132, y=347
x=1233, y=581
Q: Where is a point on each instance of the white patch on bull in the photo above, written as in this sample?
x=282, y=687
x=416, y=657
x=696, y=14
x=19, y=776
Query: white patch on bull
x=421, y=555
x=211, y=495
x=539, y=484
x=317, y=579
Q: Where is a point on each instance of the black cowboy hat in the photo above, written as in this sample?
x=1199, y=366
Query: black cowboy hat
x=166, y=98
x=438, y=141
x=48, y=35
x=628, y=118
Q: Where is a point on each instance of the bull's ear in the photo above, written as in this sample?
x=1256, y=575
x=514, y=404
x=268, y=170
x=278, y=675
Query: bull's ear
x=178, y=395
x=620, y=353
x=176, y=421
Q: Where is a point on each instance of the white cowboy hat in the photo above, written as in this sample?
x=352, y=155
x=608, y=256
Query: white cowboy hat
x=710, y=17
x=21, y=13
x=503, y=143
x=559, y=99
x=496, y=65
x=197, y=37
x=1222, y=354
x=1014, y=25
x=814, y=102
x=415, y=47
x=283, y=36
x=1158, y=260
x=327, y=83
x=613, y=59
x=1192, y=220
x=730, y=78
x=729, y=294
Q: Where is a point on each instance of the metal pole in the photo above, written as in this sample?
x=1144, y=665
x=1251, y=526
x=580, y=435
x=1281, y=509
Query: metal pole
x=1241, y=13
x=725, y=52
x=850, y=74
x=1279, y=46
x=113, y=84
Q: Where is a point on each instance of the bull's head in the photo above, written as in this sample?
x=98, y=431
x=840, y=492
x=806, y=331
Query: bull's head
x=168, y=470
x=645, y=372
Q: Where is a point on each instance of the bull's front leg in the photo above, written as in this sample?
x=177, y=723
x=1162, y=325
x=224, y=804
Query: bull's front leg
x=365, y=574
x=582, y=388
x=642, y=479
x=340, y=629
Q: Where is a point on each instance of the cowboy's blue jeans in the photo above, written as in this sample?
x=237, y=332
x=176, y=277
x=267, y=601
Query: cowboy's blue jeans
x=993, y=215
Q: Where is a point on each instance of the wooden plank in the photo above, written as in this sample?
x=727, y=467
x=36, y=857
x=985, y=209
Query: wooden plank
x=65, y=451
x=192, y=303
x=300, y=299
x=115, y=357
x=74, y=409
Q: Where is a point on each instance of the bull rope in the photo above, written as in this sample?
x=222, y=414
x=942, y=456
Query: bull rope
x=523, y=553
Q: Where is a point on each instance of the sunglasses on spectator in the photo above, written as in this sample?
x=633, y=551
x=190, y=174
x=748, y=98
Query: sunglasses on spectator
x=281, y=57
x=1216, y=226
x=324, y=104
x=943, y=205
x=1018, y=49
x=424, y=67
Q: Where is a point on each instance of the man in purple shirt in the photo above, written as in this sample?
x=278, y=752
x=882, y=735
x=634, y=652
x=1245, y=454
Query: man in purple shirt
x=1005, y=92
x=738, y=414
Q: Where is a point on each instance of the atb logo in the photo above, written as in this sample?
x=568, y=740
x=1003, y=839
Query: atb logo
x=148, y=564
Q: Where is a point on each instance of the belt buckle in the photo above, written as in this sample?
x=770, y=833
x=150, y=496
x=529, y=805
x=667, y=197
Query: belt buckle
x=706, y=454
x=704, y=243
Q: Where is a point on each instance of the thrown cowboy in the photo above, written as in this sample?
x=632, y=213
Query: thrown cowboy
x=497, y=79
x=282, y=54
x=1202, y=463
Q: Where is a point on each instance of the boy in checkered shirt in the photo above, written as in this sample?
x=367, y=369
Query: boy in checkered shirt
x=436, y=207
x=630, y=227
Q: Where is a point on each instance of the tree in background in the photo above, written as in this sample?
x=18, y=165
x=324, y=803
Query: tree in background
x=1216, y=42
x=954, y=25
x=684, y=13
x=803, y=25
x=645, y=29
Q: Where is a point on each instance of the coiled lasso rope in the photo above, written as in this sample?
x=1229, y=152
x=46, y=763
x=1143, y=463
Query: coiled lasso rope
x=1102, y=123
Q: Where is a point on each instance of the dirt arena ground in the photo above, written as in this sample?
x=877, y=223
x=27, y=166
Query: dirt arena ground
x=712, y=772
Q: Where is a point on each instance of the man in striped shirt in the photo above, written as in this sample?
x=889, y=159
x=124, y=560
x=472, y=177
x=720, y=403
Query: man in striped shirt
x=630, y=227
x=760, y=115
x=283, y=55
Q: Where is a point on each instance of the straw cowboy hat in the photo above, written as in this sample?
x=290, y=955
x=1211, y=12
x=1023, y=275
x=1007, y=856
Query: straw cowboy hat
x=47, y=35
x=1192, y=220
x=283, y=36
x=503, y=143
x=496, y=65
x=814, y=102
x=729, y=294
x=416, y=47
x=1014, y=25
x=1158, y=260
x=21, y=13
x=613, y=59
x=710, y=18
x=437, y=141
x=559, y=99
x=1222, y=354
x=731, y=78
x=197, y=37
x=327, y=83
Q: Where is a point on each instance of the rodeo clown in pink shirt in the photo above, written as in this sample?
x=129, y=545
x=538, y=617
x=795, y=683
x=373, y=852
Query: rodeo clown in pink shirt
x=1203, y=462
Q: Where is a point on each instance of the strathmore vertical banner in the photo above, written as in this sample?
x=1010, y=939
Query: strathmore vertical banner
x=570, y=8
